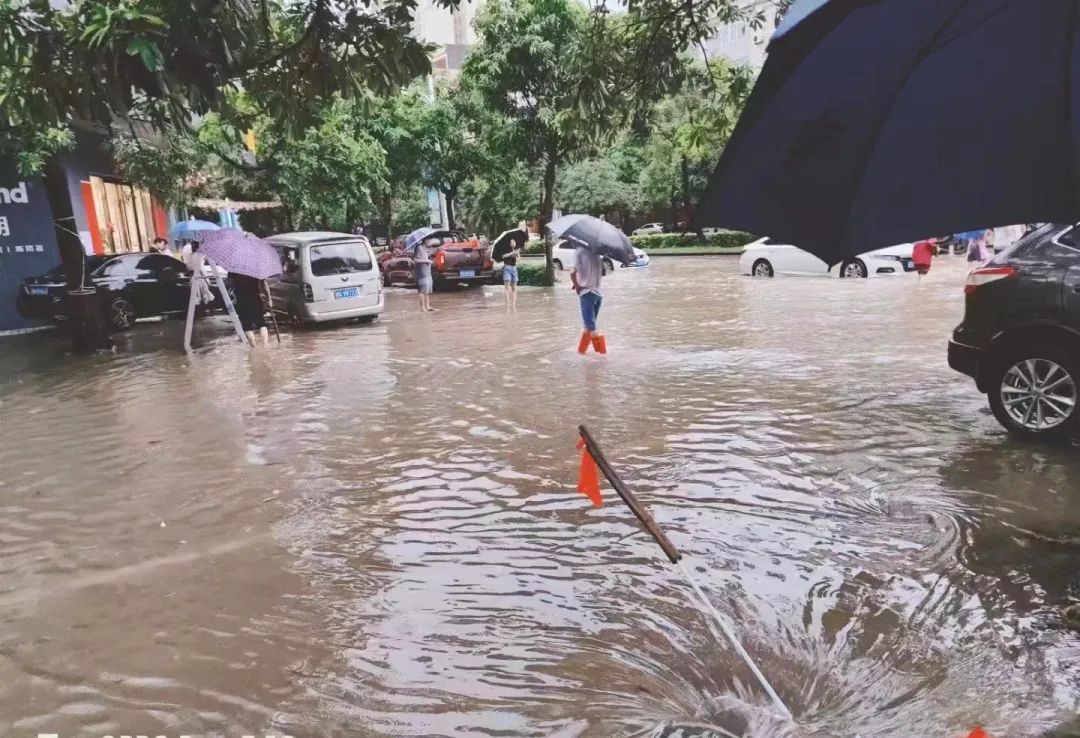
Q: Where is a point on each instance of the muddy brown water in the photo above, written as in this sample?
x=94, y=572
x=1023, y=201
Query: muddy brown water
x=373, y=530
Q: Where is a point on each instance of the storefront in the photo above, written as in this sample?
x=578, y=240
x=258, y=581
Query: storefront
x=110, y=216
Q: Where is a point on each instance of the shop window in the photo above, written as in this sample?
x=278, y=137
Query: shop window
x=125, y=216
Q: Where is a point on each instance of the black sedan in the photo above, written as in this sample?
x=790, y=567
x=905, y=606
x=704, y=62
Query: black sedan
x=132, y=286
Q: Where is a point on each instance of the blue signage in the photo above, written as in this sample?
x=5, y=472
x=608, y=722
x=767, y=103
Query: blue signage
x=27, y=241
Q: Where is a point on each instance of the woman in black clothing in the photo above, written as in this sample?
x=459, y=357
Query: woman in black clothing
x=250, y=308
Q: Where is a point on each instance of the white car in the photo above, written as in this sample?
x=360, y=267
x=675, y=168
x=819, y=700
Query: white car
x=767, y=257
x=649, y=229
x=565, y=253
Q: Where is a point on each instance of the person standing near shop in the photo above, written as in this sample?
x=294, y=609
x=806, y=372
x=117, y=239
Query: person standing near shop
x=250, y=308
x=585, y=277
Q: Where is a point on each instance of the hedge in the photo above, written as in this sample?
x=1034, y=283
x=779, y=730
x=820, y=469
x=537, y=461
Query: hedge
x=721, y=240
x=532, y=275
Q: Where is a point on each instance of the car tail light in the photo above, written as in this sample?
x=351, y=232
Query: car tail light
x=488, y=264
x=309, y=294
x=986, y=275
x=440, y=260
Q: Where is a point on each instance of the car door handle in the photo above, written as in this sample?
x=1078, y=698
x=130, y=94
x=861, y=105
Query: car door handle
x=129, y=280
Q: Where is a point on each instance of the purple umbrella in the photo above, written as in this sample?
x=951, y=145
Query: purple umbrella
x=240, y=252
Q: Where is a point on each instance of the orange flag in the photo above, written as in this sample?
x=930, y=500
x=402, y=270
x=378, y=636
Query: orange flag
x=589, y=477
x=978, y=733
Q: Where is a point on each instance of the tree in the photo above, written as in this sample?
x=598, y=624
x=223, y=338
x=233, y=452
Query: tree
x=597, y=186
x=450, y=151
x=529, y=66
x=688, y=130
x=167, y=63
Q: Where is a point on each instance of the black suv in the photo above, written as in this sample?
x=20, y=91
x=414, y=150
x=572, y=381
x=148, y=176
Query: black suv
x=1020, y=339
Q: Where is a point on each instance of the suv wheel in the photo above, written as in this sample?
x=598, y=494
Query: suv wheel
x=1034, y=394
x=121, y=314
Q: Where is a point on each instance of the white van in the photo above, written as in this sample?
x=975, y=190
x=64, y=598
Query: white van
x=326, y=277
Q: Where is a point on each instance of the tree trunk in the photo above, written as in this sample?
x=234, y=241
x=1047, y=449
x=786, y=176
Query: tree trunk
x=451, y=218
x=547, y=205
x=86, y=314
x=388, y=215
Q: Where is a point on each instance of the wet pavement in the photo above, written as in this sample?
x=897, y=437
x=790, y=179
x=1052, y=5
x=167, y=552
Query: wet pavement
x=373, y=530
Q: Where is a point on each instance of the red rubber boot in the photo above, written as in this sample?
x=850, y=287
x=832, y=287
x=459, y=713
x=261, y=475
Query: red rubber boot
x=583, y=344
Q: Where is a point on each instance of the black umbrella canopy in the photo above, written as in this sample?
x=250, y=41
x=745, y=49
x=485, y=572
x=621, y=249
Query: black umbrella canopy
x=876, y=122
x=500, y=247
x=596, y=235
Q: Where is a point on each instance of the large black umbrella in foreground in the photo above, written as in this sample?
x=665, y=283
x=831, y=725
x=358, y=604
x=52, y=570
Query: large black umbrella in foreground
x=500, y=247
x=596, y=235
x=877, y=122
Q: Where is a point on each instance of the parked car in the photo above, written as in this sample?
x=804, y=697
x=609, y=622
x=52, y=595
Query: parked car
x=564, y=256
x=768, y=257
x=1020, y=337
x=326, y=277
x=456, y=260
x=132, y=286
x=649, y=229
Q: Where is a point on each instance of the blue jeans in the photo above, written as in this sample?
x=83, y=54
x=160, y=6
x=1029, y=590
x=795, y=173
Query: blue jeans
x=590, y=309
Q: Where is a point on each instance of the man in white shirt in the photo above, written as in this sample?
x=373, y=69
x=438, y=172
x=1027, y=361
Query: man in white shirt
x=586, y=275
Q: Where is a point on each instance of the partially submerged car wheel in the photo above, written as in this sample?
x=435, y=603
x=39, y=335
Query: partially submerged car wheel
x=761, y=268
x=853, y=270
x=120, y=313
x=1034, y=393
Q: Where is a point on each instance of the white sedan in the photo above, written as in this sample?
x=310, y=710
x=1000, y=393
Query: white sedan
x=564, y=255
x=767, y=257
x=649, y=229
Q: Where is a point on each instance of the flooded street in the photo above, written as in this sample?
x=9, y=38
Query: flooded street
x=374, y=530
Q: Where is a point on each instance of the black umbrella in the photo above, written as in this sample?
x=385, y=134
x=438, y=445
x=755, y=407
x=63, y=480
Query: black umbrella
x=876, y=122
x=596, y=235
x=500, y=247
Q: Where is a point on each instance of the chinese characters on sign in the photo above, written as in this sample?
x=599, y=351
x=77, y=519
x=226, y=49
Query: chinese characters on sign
x=27, y=242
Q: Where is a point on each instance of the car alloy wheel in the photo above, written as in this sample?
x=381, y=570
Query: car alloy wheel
x=121, y=314
x=1039, y=395
x=762, y=268
x=557, y=264
x=853, y=270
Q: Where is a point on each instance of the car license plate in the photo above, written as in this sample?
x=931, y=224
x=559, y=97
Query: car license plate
x=467, y=273
x=39, y=290
x=347, y=292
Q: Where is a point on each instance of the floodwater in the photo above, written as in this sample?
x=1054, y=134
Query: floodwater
x=374, y=530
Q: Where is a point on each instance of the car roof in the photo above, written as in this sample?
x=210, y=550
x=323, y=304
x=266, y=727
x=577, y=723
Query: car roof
x=307, y=238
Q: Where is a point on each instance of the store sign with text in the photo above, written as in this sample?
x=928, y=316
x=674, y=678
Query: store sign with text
x=27, y=240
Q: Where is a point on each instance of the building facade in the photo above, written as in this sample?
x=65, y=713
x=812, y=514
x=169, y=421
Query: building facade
x=740, y=42
x=110, y=216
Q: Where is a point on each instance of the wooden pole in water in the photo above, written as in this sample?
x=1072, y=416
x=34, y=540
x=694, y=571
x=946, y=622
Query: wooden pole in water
x=650, y=526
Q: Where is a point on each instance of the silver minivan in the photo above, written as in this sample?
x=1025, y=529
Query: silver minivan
x=326, y=276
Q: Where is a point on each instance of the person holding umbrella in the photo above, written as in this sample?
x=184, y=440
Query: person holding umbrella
x=594, y=239
x=250, y=307
x=505, y=249
x=416, y=246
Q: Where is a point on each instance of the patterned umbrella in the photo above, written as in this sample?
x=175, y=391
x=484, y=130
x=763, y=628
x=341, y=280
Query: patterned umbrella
x=242, y=253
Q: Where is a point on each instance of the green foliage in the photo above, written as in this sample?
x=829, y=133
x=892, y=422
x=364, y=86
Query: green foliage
x=174, y=168
x=534, y=275
x=721, y=240
x=330, y=172
x=692, y=126
x=167, y=63
x=597, y=187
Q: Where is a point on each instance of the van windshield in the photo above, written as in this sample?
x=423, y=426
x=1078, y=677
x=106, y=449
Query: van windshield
x=339, y=258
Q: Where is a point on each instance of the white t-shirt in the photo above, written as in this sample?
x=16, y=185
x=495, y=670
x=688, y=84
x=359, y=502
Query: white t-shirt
x=589, y=269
